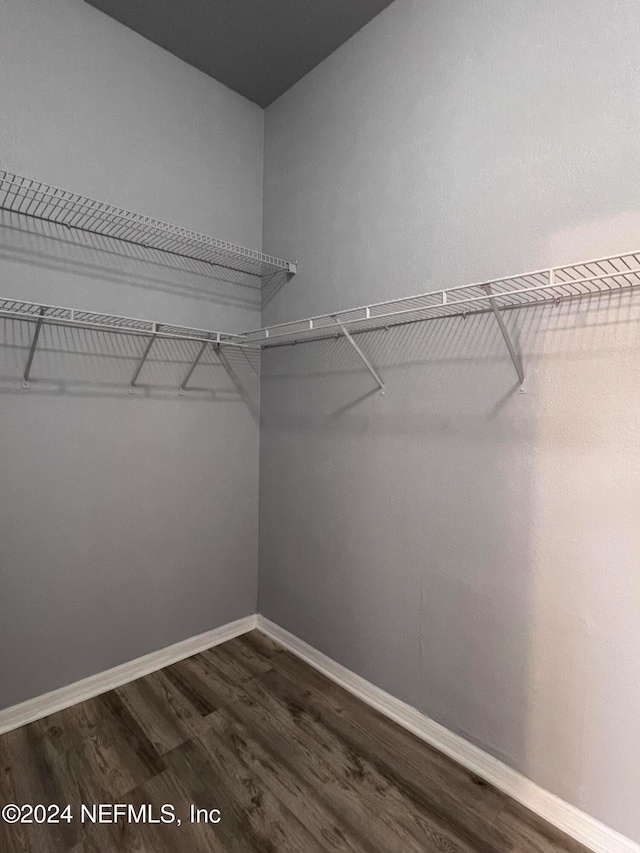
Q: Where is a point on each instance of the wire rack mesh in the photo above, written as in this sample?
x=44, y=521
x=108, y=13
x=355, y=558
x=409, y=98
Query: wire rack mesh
x=570, y=281
x=43, y=201
x=53, y=314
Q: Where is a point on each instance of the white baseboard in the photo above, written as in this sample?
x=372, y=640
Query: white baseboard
x=80, y=691
x=571, y=820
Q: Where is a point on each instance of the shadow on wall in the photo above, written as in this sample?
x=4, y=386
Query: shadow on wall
x=454, y=541
x=468, y=343
x=272, y=284
x=85, y=363
x=53, y=247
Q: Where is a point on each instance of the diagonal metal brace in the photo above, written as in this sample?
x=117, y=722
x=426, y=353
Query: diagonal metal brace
x=146, y=352
x=32, y=350
x=505, y=334
x=194, y=364
x=362, y=356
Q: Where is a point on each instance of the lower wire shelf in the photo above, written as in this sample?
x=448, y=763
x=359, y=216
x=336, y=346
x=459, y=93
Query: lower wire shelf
x=40, y=314
x=600, y=276
x=597, y=277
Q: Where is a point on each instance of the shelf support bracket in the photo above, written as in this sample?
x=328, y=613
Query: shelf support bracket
x=505, y=334
x=194, y=364
x=361, y=355
x=32, y=350
x=146, y=352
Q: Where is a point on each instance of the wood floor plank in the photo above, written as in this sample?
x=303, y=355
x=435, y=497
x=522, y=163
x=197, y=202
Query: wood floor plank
x=481, y=806
x=47, y=769
x=295, y=763
x=142, y=757
x=251, y=654
x=33, y=757
x=158, y=707
x=236, y=663
x=377, y=811
x=418, y=755
x=434, y=783
x=169, y=838
x=413, y=750
x=200, y=684
x=115, y=754
x=326, y=825
x=530, y=834
x=12, y=836
x=260, y=644
x=253, y=820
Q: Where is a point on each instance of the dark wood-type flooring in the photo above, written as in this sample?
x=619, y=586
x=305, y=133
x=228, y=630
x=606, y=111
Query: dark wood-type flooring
x=294, y=764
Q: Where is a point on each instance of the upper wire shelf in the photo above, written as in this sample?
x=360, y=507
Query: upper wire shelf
x=569, y=281
x=42, y=201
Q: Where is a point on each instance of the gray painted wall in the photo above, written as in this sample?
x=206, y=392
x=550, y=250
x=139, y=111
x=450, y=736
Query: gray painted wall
x=127, y=523
x=471, y=550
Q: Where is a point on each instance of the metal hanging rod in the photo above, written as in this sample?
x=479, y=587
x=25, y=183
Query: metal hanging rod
x=52, y=204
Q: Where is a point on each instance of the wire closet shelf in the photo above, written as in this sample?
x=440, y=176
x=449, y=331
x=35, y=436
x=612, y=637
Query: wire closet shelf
x=36, y=312
x=42, y=201
x=597, y=277
x=40, y=314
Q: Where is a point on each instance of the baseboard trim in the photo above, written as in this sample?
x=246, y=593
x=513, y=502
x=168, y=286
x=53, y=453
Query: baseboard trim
x=80, y=691
x=569, y=819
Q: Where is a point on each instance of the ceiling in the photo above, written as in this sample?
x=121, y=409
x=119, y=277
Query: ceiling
x=259, y=48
